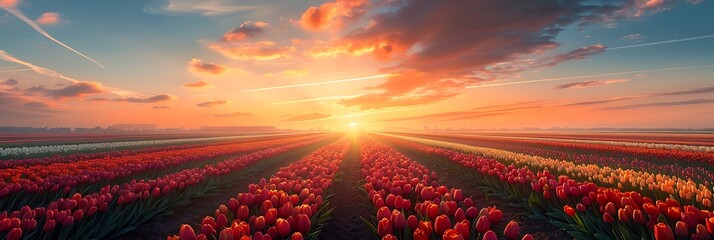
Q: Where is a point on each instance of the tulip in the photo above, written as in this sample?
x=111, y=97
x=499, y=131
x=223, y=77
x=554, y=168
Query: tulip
x=259, y=223
x=384, y=227
x=303, y=223
x=15, y=234
x=527, y=237
x=226, y=234
x=710, y=225
x=490, y=235
x=283, y=227
x=441, y=224
x=483, y=225
x=569, y=210
x=494, y=215
x=400, y=222
x=663, y=232
x=638, y=216
x=701, y=232
x=512, y=231
x=186, y=232
x=681, y=229
x=608, y=218
x=389, y=237
x=463, y=228
x=420, y=235
x=452, y=234
x=296, y=236
x=622, y=215
x=426, y=227
x=412, y=222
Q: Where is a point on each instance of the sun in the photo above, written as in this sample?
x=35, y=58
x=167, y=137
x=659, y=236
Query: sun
x=353, y=124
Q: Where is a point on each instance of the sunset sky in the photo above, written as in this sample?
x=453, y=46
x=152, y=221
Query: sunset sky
x=379, y=63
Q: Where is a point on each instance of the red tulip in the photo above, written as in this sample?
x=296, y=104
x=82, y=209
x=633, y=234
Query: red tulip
x=710, y=225
x=383, y=212
x=441, y=224
x=483, y=225
x=674, y=213
x=49, y=226
x=14, y=234
x=681, y=229
x=622, y=215
x=283, y=227
x=384, y=227
x=638, y=216
x=226, y=234
x=701, y=233
x=608, y=218
x=420, y=235
x=243, y=212
x=259, y=223
x=494, y=215
x=452, y=234
x=412, y=222
x=527, y=237
x=270, y=215
x=296, y=236
x=426, y=227
x=580, y=207
x=303, y=223
x=490, y=235
x=663, y=232
x=400, y=222
x=569, y=210
x=389, y=237
x=463, y=228
x=186, y=232
x=512, y=231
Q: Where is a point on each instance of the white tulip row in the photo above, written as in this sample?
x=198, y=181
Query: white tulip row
x=65, y=148
x=669, y=146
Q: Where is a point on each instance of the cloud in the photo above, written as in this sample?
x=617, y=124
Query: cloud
x=246, y=30
x=74, y=90
x=98, y=99
x=152, y=99
x=11, y=8
x=47, y=72
x=662, y=104
x=590, y=83
x=203, y=7
x=198, y=66
x=633, y=37
x=9, y=3
x=659, y=94
x=478, y=112
x=407, y=88
x=306, y=117
x=332, y=14
x=10, y=82
x=160, y=107
x=199, y=84
x=261, y=51
x=231, y=115
x=49, y=18
x=296, y=72
x=213, y=103
x=577, y=54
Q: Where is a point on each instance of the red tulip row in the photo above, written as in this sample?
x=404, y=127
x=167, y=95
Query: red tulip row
x=670, y=162
x=599, y=213
x=100, y=214
x=37, y=185
x=287, y=206
x=394, y=182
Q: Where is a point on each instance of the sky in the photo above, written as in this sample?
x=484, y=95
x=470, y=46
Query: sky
x=374, y=63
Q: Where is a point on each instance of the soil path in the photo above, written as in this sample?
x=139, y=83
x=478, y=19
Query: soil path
x=168, y=224
x=450, y=177
x=346, y=223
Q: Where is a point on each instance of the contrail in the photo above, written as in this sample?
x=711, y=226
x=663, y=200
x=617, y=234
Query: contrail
x=663, y=42
x=587, y=76
x=314, y=99
x=37, y=28
x=319, y=83
x=15, y=70
x=47, y=72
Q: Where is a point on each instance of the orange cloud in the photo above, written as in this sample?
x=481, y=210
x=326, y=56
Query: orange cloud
x=198, y=66
x=306, y=117
x=49, y=18
x=332, y=14
x=199, y=84
x=213, y=103
x=9, y=3
x=262, y=50
x=74, y=90
x=246, y=30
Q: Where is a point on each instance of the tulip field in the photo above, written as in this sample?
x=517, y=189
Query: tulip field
x=370, y=185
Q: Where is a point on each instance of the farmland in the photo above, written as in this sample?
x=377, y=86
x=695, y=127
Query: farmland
x=362, y=185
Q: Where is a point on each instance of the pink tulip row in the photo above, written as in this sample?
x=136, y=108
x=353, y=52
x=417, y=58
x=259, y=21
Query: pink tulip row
x=21, y=184
x=286, y=206
x=411, y=204
x=114, y=207
x=598, y=210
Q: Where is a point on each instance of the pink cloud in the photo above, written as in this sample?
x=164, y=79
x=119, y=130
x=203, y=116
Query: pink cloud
x=49, y=18
x=74, y=90
x=332, y=14
x=9, y=3
x=151, y=99
x=198, y=66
